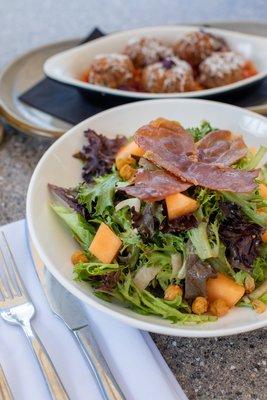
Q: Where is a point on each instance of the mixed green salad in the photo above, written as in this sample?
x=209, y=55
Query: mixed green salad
x=185, y=256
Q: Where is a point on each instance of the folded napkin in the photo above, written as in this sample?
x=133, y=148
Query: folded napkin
x=132, y=356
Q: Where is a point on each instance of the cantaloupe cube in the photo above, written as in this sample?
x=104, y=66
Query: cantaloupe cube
x=253, y=150
x=130, y=149
x=263, y=190
x=225, y=288
x=105, y=244
x=178, y=205
x=264, y=237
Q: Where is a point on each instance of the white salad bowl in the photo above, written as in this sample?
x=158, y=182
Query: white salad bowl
x=69, y=66
x=55, y=244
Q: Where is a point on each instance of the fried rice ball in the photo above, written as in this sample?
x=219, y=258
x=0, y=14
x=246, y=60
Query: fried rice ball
x=196, y=46
x=112, y=70
x=168, y=76
x=146, y=51
x=221, y=69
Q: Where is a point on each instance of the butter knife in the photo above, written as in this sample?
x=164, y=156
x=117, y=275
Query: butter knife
x=69, y=309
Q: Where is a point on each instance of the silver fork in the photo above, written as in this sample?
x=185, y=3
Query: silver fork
x=16, y=308
x=5, y=392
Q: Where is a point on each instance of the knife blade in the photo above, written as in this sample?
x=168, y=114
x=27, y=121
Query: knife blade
x=69, y=309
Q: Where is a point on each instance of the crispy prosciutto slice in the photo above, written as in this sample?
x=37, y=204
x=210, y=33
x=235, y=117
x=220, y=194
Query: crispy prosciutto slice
x=175, y=152
x=174, y=139
x=221, y=147
x=155, y=185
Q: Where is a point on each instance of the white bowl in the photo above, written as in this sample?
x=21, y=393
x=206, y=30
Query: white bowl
x=68, y=66
x=54, y=243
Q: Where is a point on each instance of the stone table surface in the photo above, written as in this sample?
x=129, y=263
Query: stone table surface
x=232, y=368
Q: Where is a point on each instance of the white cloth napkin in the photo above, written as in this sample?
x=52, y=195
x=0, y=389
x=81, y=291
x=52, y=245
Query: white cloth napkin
x=132, y=355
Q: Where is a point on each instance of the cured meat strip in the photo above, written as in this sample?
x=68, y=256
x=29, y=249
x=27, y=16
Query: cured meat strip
x=167, y=134
x=221, y=147
x=173, y=151
x=155, y=185
x=211, y=176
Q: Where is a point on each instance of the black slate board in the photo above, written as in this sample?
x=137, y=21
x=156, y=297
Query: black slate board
x=73, y=106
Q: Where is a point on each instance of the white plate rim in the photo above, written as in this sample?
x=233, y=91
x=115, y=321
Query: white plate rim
x=49, y=71
x=173, y=330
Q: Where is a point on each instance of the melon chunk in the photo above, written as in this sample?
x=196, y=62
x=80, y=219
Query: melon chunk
x=105, y=244
x=253, y=150
x=225, y=288
x=264, y=237
x=179, y=204
x=263, y=190
x=131, y=149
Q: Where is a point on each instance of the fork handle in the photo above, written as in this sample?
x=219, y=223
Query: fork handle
x=110, y=389
x=5, y=392
x=52, y=379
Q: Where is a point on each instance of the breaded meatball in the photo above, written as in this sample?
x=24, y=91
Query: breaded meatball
x=146, y=51
x=196, y=46
x=221, y=69
x=168, y=76
x=112, y=70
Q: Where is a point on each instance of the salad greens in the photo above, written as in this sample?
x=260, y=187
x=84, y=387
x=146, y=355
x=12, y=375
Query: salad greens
x=201, y=131
x=223, y=236
x=82, y=231
x=259, y=268
x=146, y=303
x=251, y=160
x=206, y=243
x=98, y=196
x=250, y=204
x=84, y=271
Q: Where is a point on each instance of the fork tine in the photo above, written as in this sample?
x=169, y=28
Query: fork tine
x=7, y=283
x=3, y=290
x=13, y=266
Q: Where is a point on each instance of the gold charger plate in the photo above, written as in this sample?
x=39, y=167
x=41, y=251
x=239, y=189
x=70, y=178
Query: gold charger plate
x=19, y=76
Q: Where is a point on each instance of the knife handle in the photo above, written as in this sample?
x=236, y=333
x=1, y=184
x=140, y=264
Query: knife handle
x=110, y=389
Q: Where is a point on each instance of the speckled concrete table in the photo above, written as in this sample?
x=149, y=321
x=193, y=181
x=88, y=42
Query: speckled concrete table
x=231, y=368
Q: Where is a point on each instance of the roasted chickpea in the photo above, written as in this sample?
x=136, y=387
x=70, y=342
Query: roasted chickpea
x=258, y=306
x=172, y=292
x=120, y=162
x=78, y=257
x=249, y=284
x=219, y=307
x=200, y=305
x=127, y=172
